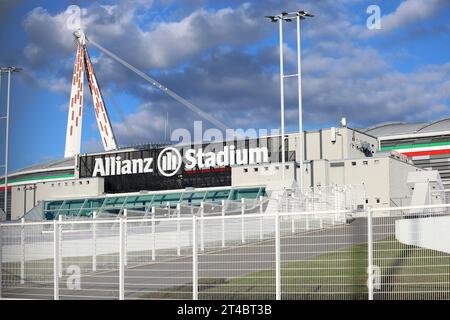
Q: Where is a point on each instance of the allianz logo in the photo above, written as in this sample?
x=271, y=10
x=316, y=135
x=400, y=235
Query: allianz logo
x=169, y=161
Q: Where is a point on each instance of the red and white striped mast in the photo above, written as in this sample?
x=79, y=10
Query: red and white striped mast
x=75, y=116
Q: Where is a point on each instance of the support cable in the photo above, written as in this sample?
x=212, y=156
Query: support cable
x=158, y=85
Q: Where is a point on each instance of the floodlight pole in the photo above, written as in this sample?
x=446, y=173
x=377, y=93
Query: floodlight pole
x=289, y=16
x=300, y=154
x=7, y=141
x=4, y=166
x=283, y=160
x=9, y=70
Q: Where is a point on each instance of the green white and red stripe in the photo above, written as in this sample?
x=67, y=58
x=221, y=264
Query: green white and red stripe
x=421, y=149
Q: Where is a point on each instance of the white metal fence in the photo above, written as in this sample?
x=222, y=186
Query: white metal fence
x=246, y=252
x=411, y=253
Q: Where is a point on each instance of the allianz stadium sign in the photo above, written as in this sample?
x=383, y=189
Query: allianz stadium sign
x=169, y=161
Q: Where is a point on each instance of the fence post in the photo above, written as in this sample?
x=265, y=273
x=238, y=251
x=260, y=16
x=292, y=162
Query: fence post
x=242, y=220
x=60, y=269
x=336, y=205
x=194, y=259
x=178, y=229
x=277, y=257
x=94, y=241
x=121, y=259
x=153, y=234
x=370, y=252
x=292, y=224
x=22, y=251
x=125, y=236
x=261, y=219
x=55, y=259
x=307, y=221
x=202, y=226
x=223, y=223
x=290, y=209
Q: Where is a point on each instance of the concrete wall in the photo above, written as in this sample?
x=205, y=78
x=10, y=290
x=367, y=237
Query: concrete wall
x=318, y=173
x=25, y=197
x=79, y=243
x=382, y=178
x=333, y=143
x=261, y=174
x=373, y=174
x=323, y=144
x=399, y=189
x=431, y=233
x=313, y=145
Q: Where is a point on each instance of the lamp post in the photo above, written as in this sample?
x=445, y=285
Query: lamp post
x=283, y=147
x=9, y=71
x=288, y=17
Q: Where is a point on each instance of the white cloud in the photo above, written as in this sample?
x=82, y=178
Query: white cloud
x=144, y=126
x=408, y=13
x=164, y=46
x=342, y=76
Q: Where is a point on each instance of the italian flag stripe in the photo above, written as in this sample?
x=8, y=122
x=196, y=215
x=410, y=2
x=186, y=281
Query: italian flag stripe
x=417, y=145
x=426, y=152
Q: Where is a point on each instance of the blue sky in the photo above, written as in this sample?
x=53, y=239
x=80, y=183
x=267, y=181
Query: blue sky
x=223, y=57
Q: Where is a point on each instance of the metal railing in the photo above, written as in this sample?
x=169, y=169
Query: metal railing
x=380, y=253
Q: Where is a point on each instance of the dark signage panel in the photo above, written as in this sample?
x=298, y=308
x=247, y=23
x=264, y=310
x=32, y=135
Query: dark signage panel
x=165, y=167
x=196, y=178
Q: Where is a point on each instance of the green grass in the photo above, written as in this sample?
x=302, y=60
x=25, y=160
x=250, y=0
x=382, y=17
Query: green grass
x=340, y=274
x=407, y=272
x=410, y=272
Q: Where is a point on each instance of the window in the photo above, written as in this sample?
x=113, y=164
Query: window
x=255, y=169
x=377, y=200
x=277, y=168
x=377, y=161
x=87, y=181
x=367, y=200
x=353, y=163
x=266, y=168
x=337, y=164
x=245, y=170
x=287, y=167
x=365, y=163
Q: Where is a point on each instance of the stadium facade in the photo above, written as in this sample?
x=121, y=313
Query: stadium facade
x=377, y=160
x=332, y=157
x=426, y=144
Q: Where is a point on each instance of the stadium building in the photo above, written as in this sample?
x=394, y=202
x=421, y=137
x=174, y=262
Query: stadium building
x=332, y=157
x=426, y=144
x=375, y=161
